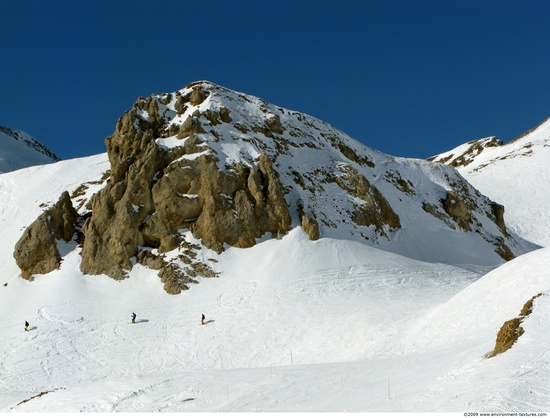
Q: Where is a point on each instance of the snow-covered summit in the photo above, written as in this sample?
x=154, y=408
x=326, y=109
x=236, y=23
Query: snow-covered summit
x=515, y=174
x=338, y=181
x=19, y=150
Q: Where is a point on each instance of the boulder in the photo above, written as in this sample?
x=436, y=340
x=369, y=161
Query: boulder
x=36, y=251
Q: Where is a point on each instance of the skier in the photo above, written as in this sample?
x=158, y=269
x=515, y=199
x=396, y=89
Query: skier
x=26, y=325
x=203, y=318
x=133, y=318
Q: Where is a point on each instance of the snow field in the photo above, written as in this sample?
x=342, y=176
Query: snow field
x=360, y=335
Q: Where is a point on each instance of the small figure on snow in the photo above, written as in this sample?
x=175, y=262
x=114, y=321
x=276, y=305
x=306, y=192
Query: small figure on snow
x=133, y=318
x=26, y=325
x=203, y=318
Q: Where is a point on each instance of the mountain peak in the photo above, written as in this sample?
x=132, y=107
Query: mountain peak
x=465, y=154
x=520, y=165
x=19, y=150
x=231, y=169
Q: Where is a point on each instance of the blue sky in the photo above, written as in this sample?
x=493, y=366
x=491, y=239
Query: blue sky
x=411, y=78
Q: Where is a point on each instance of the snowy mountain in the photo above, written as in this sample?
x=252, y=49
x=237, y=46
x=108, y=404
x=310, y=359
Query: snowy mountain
x=515, y=175
x=229, y=169
x=19, y=150
x=356, y=319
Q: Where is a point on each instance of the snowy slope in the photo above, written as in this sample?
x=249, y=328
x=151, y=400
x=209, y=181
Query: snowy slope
x=19, y=150
x=516, y=175
x=364, y=330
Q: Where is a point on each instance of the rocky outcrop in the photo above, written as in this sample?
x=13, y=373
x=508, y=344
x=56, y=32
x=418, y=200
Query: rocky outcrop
x=511, y=330
x=497, y=211
x=154, y=193
x=373, y=209
x=473, y=149
x=36, y=251
x=457, y=209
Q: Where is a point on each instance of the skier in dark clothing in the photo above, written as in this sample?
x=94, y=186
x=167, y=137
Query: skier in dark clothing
x=203, y=318
x=26, y=325
x=133, y=318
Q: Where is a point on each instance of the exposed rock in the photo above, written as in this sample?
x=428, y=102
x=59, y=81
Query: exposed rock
x=498, y=213
x=198, y=95
x=467, y=157
x=225, y=168
x=374, y=208
x=175, y=280
x=309, y=223
x=191, y=126
x=274, y=124
x=456, y=207
x=36, y=251
x=511, y=330
x=503, y=250
x=310, y=227
x=153, y=261
x=152, y=194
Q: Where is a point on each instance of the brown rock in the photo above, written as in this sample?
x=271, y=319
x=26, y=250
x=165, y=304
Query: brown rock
x=457, y=209
x=36, y=251
x=511, y=330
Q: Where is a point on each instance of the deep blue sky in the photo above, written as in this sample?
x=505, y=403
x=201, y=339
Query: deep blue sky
x=411, y=78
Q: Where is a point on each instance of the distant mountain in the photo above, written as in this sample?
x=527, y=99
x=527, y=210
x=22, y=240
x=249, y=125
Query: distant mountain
x=19, y=150
x=231, y=169
x=516, y=175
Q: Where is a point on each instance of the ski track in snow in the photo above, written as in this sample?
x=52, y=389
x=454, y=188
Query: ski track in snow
x=333, y=339
x=70, y=343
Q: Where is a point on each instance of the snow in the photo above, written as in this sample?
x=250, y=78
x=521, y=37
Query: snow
x=327, y=329
x=516, y=175
x=292, y=325
x=19, y=150
x=170, y=142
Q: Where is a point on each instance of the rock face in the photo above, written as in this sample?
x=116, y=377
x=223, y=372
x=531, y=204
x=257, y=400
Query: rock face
x=154, y=192
x=495, y=168
x=211, y=166
x=511, y=330
x=36, y=252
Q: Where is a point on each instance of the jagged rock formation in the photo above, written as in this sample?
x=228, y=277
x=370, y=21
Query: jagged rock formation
x=230, y=168
x=153, y=193
x=511, y=330
x=36, y=252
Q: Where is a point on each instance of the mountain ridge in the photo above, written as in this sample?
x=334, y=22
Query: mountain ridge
x=515, y=174
x=20, y=150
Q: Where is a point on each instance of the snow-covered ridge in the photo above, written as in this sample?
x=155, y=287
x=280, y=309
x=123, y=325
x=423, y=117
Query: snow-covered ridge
x=19, y=150
x=483, y=152
x=515, y=174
